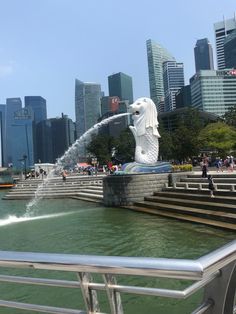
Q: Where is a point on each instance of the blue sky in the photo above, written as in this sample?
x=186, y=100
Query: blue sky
x=46, y=44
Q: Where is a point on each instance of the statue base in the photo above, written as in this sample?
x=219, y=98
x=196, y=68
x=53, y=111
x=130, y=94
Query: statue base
x=158, y=167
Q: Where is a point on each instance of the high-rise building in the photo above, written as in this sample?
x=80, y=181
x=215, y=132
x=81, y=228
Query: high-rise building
x=222, y=30
x=39, y=107
x=173, y=79
x=12, y=105
x=230, y=50
x=203, y=54
x=2, y=135
x=183, y=97
x=22, y=141
x=109, y=104
x=214, y=91
x=156, y=56
x=121, y=85
x=63, y=135
x=44, y=142
x=87, y=105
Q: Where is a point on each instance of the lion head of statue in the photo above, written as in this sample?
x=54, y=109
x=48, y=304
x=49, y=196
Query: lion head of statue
x=144, y=115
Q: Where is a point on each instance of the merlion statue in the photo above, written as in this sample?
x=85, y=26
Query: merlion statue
x=145, y=130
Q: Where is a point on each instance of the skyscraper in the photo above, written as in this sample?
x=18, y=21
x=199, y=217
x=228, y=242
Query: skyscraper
x=2, y=135
x=173, y=79
x=156, y=56
x=222, y=30
x=87, y=105
x=22, y=140
x=38, y=105
x=203, y=54
x=12, y=105
x=214, y=91
x=230, y=50
x=120, y=85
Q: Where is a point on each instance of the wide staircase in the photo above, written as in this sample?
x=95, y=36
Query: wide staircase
x=189, y=200
x=87, y=188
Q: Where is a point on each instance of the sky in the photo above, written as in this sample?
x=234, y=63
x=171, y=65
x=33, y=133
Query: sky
x=46, y=44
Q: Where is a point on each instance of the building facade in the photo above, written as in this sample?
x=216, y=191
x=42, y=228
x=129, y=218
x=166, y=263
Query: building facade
x=222, y=30
x=156, y=56
x=2, y=135
x=214, y=91
x=173, y=81
x=12, y=105
x=38, y=106
x=230, y=50
x=87, y=105
x=22, y=141
x=183, y=97
x=121, y=85
x=203, y=55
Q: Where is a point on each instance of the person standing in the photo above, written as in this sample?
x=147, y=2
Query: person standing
x=204, y=169
x=211, y=186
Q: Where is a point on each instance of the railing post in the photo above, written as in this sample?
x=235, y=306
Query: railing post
x=113, y=296
x=89, y=296
x=222, y=291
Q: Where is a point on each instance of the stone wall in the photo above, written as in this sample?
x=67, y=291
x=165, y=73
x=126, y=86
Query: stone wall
x=121, y=190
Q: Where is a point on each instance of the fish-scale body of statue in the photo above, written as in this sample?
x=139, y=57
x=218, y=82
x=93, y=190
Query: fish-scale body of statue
x=145, y=131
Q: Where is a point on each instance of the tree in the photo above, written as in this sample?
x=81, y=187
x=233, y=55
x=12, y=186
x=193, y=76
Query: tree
x=185, y=137
x=218, y=137
x=101, y=146
x=165, y=143
x=230, y=116
x=125, y=147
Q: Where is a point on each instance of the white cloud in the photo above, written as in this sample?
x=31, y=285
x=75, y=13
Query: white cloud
x=6, y=70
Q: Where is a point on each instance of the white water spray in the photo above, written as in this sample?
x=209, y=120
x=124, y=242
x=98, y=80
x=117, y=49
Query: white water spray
x=70, y=157
x=12, y=219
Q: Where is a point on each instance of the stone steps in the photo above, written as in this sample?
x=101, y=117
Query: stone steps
x=200, y=202
x=191, y=210
x=189, y=200
x=198, y=195
x=87, y=188
x=188, y=218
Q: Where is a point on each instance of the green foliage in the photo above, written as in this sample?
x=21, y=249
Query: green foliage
x=186, y=167
x=102, y=147
x=125, y=147
x=218, y=136
x=107, y=148
x=185, y=137
x=230, y=116
x=165, y=144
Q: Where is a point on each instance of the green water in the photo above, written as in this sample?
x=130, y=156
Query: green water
x=87, y=228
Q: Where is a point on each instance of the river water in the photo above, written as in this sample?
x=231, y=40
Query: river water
x=77, y=227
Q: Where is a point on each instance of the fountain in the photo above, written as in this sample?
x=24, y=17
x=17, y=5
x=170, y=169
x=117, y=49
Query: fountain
x=69, y=158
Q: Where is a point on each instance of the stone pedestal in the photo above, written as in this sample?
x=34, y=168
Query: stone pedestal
x=121, y=190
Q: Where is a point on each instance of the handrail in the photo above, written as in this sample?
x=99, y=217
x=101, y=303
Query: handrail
x=205, y=270
x=158, y=267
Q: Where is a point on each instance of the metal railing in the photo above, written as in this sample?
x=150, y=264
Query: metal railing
x=215, y=272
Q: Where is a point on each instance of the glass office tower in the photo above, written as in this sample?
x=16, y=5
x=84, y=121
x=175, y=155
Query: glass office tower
x=173, y=79
x=121, y=85
x=39, y=107
x=214, y=91
x=22, y=138
x=203, y=55
x=230, y=50
x=87, y=105
x=222, y=30
x=156, y=56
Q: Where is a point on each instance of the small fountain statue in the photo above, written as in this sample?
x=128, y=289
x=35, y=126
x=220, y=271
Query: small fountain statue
x=145, y=131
